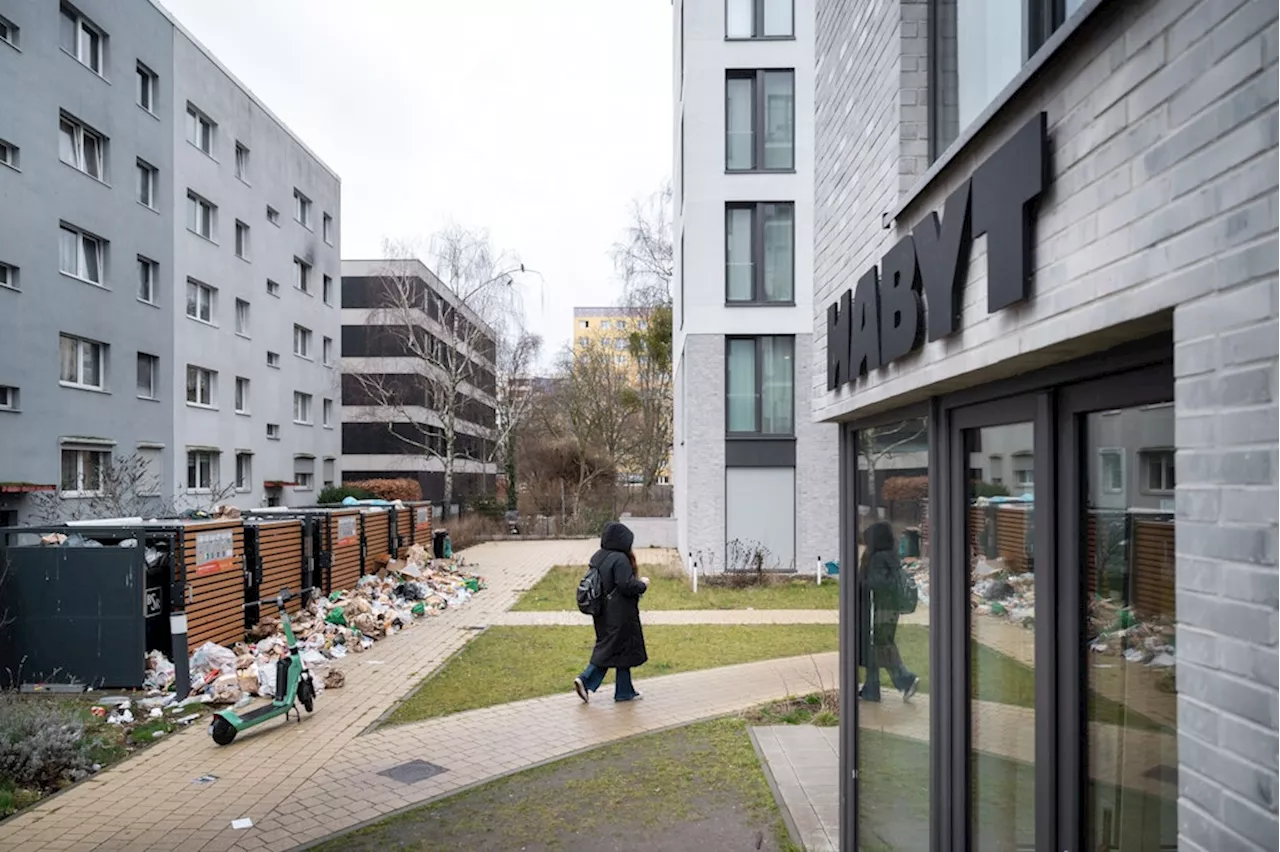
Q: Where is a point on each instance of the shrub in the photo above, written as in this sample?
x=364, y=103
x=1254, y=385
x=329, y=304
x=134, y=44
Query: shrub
x=989, y=489
x=42, y=744
x=407, y=490
x=906, y=488
x=338, y=493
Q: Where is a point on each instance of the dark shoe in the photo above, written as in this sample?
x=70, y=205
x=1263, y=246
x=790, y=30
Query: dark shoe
x=635, y=697
x=911, y=689
x=581, y=688
x=864, y=695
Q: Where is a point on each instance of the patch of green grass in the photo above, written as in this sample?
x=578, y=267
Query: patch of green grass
x=667, y=591
x=700, y=786
x=821, y=709
x=508, y=663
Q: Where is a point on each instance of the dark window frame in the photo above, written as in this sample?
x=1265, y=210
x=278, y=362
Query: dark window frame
x=758, y=254
x=758, y=112
x=757, y=26
x=756, y=433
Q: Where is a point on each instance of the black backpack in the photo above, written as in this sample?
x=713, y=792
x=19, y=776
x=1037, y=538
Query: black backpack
x=591, y=593
x=907, y=593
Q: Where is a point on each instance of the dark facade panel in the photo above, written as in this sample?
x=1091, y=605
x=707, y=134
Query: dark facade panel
x=763, y=452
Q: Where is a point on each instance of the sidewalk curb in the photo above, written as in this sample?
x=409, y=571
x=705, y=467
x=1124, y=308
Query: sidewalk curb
x=792, y=829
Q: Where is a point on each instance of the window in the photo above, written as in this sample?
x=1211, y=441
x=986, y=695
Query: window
x=244, y=468
x=81, y=255
x=326, y=351
x=80, y=38
x=242, y=317
x=148, y=375
x=760, y=253
x=301, y=407
x=242, y=240
x=1112, y=473
x=200, y=130
x=273, y=216
x=273, y=288
x=148, y=88
x=761, y=386
x=760, y=120
x=327, y=289
x=82, y=472
x=242, y=162
x=200, y=386
x=302, y=275
x=8, y=398
x=1025, y=478
x=83, y=363
x=620, y=343
x=758, y=19
x=1159, y=467
x=273, y=359
x=301, y=209
x=201, y=216
x=273, y=431
x=201, y=300
x=328, y=472
x=306, y=481
x=622, y=325
x=8, y=32
x=8, y=154
x=80, y=147
x=301, y=341
x=8, y=276
x=148, y=181
x=328, y=229
x=201, y=470
x=586, y=323
x=242, y=395
x=326, y=413
x=148, y=279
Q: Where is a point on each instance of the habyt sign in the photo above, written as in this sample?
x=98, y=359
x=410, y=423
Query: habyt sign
x=884, y=317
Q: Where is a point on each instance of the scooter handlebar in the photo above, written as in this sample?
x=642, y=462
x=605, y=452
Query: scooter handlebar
x=284, y=596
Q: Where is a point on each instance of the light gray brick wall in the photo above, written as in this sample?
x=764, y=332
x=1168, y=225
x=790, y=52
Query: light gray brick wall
x=703, y=517
x=817, y=475
x=1163, y=200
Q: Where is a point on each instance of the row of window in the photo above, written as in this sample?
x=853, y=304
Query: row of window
x=615, y=325
x=83, y=472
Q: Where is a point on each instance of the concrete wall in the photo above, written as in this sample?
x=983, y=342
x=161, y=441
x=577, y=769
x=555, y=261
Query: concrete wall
x=652, y=532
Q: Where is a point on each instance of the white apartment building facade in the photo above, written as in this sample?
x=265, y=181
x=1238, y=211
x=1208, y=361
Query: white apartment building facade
x=746, y=454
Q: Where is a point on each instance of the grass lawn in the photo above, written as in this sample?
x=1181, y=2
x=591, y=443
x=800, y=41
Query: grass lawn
x=508, y=663
x=671, y=590
x=697, y=787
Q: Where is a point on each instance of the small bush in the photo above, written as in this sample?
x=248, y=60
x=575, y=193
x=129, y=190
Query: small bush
x=42, y=744
x=407, y=490
x=338, y=493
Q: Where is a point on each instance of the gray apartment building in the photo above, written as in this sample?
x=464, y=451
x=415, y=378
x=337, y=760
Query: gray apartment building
x=408, y=341
x=168, y=270
x=1045, y=322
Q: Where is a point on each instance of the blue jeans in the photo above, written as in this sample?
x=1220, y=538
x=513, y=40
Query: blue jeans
x=593, y=676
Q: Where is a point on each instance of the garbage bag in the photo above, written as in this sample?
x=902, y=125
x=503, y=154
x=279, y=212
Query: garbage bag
x=266, y=680
x=211, y=657
x=336, y=616
x=419, y=609
x=160, y=672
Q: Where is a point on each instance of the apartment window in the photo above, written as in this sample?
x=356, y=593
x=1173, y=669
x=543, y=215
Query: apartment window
x=761, y=386
x=81, y=255
x=201, y=301
x=242, y=162
x=148, y=375
x=200, y=386
x=302, y=275
x=326, y=413
x=326, y=351
x=1025, y=478
x=80, y=38
x=273, y=431
x=8, y=276
x=622, y=325
x=242, y=317
x=328, y=229
x=242, y=240
x=148, y=181
x=201, y=470
x=8, y=154
x=148, y=88
x=306, y=481
x=201, y=216
x=301, y=407
x=759, y=19
x=148, y=280
x=200, y=130
x=242, y=395
x=244, y=471
x=327, y=289
x=8, y=398
x=302, y=341
x=1112, y=473
x=1158, y=471
x=620, y=343
x=301, y=209
x=760, y=120
x=273, y=288
x=605, y=325
x=760, y=253
x=83, y=363
x=273, y=359
x=273, y=216
x=8, y=32
x=82, y=472
x=81, y=148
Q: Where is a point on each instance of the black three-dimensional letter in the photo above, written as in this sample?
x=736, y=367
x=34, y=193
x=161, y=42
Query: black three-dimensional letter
x=864, y=347
x=900, y=324
x=943, y=255
x=1003, y=189
x=838, y=317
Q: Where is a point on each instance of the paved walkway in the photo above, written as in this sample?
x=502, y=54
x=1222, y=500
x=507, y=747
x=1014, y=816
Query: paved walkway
x=682, y=616
x=802, y=763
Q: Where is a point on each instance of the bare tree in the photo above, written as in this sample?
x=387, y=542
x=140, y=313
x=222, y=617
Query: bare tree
x=645, y=257
x=879, y=444
x=517, y=354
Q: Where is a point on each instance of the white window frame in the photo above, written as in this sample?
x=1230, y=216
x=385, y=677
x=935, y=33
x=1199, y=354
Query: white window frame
x=244, y=472
x=326, y=289
x=327, y=223
x=148, y=184
x=206, y=298
x=1104, y=483
x=302, y=405
x=273, y=431
x=242, y=163
x=243, y=388
x=273, y=215
x=196, y=206
x=273, y=360
x=302, y=275
x=302, y=341
x=242, y=240
x=243, y=317
x=306, y=481
x=9, y=276
x=9, y=155
x=74, y=130
x=81, y=346
x=10, y=33
x=326, y=413
x=148, y=280
x=153, y=363
x=1167, y=459
x=301, y=209
x=273, y=288
x=85, y=32
x=83, y=241
x=205, y=380
x=10, y=398
x=326, y=351
x=210, y=462
x=201, y=129
x=81, y=456
x=148, y=88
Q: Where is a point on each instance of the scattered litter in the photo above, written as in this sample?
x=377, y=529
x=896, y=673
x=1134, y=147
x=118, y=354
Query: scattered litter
x=334, y=679
x=187, y=720
x=1134, y=655
x=204, y=779
x=120, y=717
x=374, y=662
x=243, y=822
x=156, y=713
x=1162, y=661
x=157, y=735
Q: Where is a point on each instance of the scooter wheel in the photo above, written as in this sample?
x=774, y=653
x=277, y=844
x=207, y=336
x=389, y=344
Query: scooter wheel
x=223, y=732
x=307, y=695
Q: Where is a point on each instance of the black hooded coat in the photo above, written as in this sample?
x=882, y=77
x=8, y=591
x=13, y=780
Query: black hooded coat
x=878, y=583
x=619, y=636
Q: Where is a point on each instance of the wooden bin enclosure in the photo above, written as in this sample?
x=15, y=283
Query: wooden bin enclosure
x=421, y=525
x=377, y=538
x=213, y=565
x=275, y=560
x=344, y=546
x=404, y=529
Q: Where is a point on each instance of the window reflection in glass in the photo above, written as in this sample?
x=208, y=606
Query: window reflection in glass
x=980, y=47
x=1131, y=763
x=893, y=636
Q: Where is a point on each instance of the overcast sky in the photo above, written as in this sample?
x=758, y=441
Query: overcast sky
x=537, y=119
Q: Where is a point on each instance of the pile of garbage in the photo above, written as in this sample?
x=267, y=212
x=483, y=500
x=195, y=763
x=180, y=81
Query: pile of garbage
x=918, y=570
x=996, y=592
x=1119, y=631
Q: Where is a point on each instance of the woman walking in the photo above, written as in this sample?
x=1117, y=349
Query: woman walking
x=878, y=587
x=619, y=636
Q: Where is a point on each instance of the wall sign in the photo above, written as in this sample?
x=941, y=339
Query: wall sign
x=883, y=317
x=424, y=516
x=347, y=530
x=215, y=551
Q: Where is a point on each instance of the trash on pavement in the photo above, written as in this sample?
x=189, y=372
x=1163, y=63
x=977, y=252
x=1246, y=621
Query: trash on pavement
x=243, y=822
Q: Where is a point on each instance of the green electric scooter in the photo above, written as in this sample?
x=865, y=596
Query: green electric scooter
x=293, y=684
